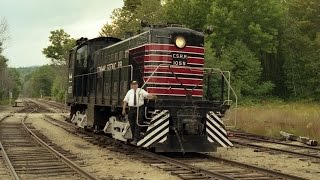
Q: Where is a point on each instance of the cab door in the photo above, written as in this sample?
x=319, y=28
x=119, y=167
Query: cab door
x=71, y=84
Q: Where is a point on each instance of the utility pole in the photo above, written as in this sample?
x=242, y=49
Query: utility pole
x=65, y=99
x=10, y=98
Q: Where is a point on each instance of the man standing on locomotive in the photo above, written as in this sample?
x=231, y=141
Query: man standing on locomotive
x=135, y=100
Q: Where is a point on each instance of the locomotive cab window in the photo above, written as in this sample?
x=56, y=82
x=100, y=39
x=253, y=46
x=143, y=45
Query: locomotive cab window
x=82, y=55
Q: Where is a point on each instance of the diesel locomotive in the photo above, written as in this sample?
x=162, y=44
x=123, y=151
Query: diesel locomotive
x=168, y=62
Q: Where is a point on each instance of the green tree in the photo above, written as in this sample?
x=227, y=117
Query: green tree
x=192, y=13
x=245, y=69
x=255, y=23
x=40, y=82
x=57, y=51
x=3, y=32
x=9, y=79
x=128, y=18
x=300, y=44
x=61, y=43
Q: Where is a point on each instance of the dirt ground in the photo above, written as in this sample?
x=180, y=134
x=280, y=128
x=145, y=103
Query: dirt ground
x=279, y=162
x=107, y=164
x=100, y=162
x=7, y=109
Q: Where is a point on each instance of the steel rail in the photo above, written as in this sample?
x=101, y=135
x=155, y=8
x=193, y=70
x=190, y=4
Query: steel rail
x=160, y=158
x=195, y=169
x=276, y=149
x=274, y=142
x=57, y=154
x=251, y=167
x=8, y=162
x=181, y=164
x=55, y=105
x=53, y=151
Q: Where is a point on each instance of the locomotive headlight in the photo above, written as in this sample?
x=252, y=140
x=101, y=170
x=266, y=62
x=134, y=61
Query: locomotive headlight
x=180, y=42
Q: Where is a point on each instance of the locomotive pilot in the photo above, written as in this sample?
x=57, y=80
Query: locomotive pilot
x=135, y=100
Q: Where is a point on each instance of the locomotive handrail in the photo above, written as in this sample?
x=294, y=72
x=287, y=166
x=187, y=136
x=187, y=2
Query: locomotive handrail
x=137, y=117
x=160, y=65
x=214, y=69
x=229, y=88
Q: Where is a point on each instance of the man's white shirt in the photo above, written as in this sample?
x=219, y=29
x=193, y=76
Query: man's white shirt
x=140, y=95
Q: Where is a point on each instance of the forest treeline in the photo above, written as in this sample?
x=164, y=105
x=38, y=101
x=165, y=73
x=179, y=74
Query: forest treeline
x=271, y=47
x=51, y=80
x=10, y=84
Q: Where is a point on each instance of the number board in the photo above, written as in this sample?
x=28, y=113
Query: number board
x=179, y=59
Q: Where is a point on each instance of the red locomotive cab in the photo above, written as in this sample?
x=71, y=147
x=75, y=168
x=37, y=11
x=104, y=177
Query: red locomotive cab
x=171, y=63
x=174, y=71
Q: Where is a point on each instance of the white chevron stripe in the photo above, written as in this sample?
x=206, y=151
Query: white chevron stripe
x=219, y=134
x=217, y=125
x=163, y=140
x=157, y=137
x=216, y=138
x=215, y=116
x=158, y=115
x=209, y=139
x=154, y=132
x=158, y=122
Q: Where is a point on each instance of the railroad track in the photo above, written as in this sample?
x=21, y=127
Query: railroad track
x=254, y=141
x=200, y=166
x=58, y=107
x=6, y=169
x=32, y=155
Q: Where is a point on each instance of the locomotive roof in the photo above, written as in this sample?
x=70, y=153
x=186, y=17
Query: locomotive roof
x=170, y=30
x=178, y=29
x=97, y=39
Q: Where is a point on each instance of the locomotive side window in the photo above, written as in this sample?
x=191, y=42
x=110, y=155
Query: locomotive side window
x=112, y=58
x=126, y=54
x=120, y=55
x=116, y=56
x=108, y=59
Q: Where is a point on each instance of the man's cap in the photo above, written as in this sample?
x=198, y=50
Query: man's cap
x=134, y=82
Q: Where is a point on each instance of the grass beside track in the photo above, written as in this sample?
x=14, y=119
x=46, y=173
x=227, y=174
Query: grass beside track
x=269, y=119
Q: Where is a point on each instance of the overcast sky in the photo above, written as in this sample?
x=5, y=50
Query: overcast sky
x=30, y=23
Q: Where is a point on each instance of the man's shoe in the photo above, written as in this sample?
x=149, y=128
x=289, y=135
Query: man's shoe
x=134, y=143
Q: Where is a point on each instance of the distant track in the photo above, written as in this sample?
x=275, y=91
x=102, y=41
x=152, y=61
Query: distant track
x=251, y=140
x=58, y=107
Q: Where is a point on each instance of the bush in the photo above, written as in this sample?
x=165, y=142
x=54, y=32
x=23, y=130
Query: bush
x=245, y=70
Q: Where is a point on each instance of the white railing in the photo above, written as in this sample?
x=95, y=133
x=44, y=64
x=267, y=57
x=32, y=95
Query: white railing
x=228, y=101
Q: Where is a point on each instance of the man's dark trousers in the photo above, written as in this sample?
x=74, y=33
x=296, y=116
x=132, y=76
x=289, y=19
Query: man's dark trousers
x=132, y=116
